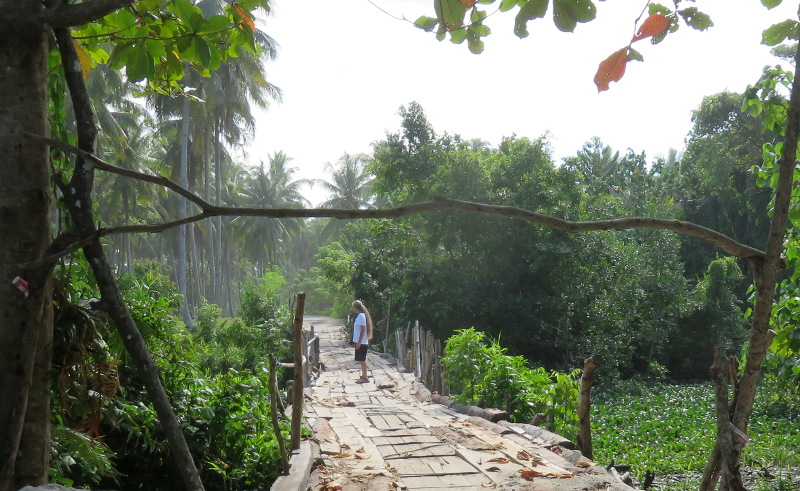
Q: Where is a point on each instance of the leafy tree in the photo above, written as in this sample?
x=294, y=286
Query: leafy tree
x=718, y=188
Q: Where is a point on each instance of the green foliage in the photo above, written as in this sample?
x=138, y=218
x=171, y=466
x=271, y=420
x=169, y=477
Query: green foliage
x=155, y=41
x=76, y=454
x=215, y=378
x=717, y=310
x=465, y=360
x=327, y=284
x=482, y=372
x=783, y=360
x=461, y=19
x=670, y=429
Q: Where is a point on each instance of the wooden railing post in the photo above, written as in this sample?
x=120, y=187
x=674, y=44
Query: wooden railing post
x=584, y=405
x=417, y=351
x=297, y=403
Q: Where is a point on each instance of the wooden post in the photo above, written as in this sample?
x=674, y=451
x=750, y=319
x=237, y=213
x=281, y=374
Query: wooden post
x=437, y=367
x=402, y=352
x=316, y=349
x=306, y=358
x=274, y=396
x=297, y=403
x=584, y=405
x=417, y=351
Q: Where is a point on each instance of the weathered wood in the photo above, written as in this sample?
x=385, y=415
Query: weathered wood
x=274, y=396
x=585, y=405
x=386, y=431
x=297, y=403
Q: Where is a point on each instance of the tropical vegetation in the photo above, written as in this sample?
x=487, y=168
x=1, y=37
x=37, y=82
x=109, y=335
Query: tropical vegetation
x=145, y=352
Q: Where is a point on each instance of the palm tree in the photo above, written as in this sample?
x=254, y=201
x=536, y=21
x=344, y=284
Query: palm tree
x=349, y=189
x=271, y=185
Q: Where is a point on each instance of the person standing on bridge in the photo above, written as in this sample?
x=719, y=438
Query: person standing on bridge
x=362, y=333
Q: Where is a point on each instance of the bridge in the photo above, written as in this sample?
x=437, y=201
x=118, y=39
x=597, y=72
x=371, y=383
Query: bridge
x=387, y=435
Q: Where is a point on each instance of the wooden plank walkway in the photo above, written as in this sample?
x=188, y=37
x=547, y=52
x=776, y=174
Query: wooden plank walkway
x=378, y=436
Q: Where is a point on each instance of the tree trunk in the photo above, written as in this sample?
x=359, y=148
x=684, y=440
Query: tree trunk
x=765, y=273
x=77, y=195
x=26, y=327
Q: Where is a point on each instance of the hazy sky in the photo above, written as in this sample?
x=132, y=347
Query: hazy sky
x=346, y=67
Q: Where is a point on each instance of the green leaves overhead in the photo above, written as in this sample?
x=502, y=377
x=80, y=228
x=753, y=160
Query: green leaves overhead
x=696, y=19
x=157, y=41
x=567, y=13
x=451, y=17
x=532, y=9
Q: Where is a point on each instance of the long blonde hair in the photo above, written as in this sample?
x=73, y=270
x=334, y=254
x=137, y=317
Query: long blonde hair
x=359, y=306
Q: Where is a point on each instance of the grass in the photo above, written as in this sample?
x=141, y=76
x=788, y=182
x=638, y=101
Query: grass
x=670, y=430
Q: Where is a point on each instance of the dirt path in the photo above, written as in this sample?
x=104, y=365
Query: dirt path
x=379, y=436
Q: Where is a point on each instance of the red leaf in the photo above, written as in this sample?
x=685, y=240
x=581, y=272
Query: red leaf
x=653, y=26
x=611, y=69
x=493, y=469
x=467, y=3
x=246, y=19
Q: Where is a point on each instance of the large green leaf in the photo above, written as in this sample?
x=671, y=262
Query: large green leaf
x=771, y=4
x=696, y=19
x=567, y=13
x=139, y=64
x=214, y=25
x=533, y=9
x=426, y=23
x=451, y=13
x=779, y=32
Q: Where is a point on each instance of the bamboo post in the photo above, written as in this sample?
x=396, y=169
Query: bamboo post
x=585, y=405
x=273, y=409
x=297, y=403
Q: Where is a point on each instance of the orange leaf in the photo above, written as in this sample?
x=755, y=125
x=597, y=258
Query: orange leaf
x=499, y=460
x=467, y=3
x=529, y=475
x=493, y=469
x=341, y=455
x=611, y=69
x=245, y=17
x=653, y=26
x=84, y=59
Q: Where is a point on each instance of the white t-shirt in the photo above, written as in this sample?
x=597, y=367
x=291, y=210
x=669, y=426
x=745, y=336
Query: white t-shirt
x=359, y=325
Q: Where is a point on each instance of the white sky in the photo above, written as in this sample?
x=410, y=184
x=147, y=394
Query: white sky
x=345, y=68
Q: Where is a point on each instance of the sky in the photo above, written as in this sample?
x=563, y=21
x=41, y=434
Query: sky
x=346, y=67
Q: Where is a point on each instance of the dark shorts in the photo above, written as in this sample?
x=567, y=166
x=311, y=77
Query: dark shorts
x=361, y=353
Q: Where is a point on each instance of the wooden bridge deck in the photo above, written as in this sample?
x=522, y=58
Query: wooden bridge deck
x=380, y=436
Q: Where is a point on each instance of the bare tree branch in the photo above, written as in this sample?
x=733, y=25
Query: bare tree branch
x=208, y=210
x=68, y=15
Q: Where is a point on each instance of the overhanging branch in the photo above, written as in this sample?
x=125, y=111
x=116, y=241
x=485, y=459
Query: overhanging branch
x=208, y=210
x=75, y=14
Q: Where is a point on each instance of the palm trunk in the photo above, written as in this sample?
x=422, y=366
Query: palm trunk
x=218, y=266
x=184, y=182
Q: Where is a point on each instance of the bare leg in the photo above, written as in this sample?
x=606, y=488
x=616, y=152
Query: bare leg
x=363, y=370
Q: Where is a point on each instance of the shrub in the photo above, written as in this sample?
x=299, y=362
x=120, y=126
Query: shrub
x=477, y=371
